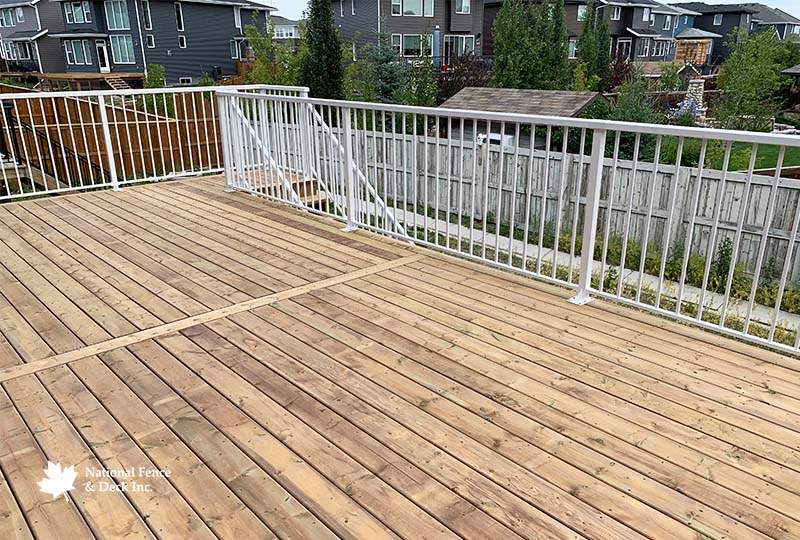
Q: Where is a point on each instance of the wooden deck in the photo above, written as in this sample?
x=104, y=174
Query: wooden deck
x=295, y=381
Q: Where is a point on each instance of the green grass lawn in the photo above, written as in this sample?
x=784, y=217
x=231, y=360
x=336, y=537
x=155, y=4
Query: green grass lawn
x=767, y=157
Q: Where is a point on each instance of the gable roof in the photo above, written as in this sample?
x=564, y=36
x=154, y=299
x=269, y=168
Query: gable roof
x=768, y=15
x=794, y=70
x=283, y=21
x=510, y=100
x=697, y=33
x=709, y=9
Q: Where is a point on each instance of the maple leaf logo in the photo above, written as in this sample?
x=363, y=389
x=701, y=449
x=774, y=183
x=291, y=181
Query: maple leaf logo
x=57, y=481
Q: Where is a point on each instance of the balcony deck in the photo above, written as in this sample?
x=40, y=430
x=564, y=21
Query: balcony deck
x=301, y=382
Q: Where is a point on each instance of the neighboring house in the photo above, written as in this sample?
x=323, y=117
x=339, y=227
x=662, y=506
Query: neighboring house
x=412, y=25
x=692, y=45
x=20, y=33
x=722, y=20
x=641, y=30
x=785, y=25
x=286, y=31
x=121, y=37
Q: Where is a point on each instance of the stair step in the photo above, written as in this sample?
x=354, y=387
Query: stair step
x=116, y=83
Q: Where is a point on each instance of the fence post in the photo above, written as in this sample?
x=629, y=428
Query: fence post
x=590, y=216
x=305, y=137
x=349, y=166
x=112, y=164
x=225, y=132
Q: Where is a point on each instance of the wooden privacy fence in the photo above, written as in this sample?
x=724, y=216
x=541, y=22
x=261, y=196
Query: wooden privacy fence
x=450, y=174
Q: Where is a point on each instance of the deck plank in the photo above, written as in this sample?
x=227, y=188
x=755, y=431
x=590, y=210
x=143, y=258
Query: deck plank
x=304, y=382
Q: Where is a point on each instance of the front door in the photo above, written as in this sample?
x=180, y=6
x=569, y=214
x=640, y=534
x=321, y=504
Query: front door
x=102, y=57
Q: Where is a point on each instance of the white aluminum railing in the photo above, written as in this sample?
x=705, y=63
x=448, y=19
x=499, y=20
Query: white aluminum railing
x=648, y=215
x=54, y=142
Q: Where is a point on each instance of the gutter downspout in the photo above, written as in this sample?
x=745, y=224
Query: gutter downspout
x=141, y=38
x=39, y=29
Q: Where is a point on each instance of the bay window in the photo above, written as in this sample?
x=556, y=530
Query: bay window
x=77, y=52
x=117, y=15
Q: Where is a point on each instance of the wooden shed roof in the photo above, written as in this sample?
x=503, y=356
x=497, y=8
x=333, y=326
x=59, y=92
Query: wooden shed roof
x=509, y=100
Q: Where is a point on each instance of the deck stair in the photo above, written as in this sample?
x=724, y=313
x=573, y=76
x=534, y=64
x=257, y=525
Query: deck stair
x=116, y=83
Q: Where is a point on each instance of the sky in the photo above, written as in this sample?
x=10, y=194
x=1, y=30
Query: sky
x=789, y=6
x=293, y=8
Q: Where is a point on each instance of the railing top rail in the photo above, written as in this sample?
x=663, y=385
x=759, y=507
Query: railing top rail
x=727, y=135
x=145, y=91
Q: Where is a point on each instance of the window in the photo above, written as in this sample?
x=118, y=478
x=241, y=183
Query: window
x=20, y=18
x=77, y=51
x=718, y=19
x=117, y=15
x=616, y=13
x=7, y=18
x=796, y=30
x=417, y=8
x=644, y=47
x=182, y=42
x=77, y=12
x=462, y=7
x=396, y=43
x=237, y=16
x=234, y=49
x=652, y=20
x=285, y=32
x=660, y=48
x=646, y=14
x=122, y=49
x=573, y=49
x=685, y=19
x=184, y=80
x=148, y=20
x=151, y=41
x=341, y=8
x=456, y=46
x=352, y=7
x=582, y=12
x=667, y=22
x=397, y=8
x=23, y=50
x=178, y=16
x=412, y=45
x=624, y=48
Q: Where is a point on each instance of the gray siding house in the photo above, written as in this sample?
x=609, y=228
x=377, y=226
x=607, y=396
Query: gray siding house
x=641, y=30
x=722, y=19
x=412, y=25
x=107, y=37
x=785, y=25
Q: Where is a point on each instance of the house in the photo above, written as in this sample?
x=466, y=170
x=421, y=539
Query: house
x=721, y=20
x=103, y=42
x=692, y=45
x=443, y=29
x=785, y=25
x=641, y=30
x=285, y=31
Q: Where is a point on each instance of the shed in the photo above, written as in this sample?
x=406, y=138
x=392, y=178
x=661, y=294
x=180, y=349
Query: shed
x=510, y=100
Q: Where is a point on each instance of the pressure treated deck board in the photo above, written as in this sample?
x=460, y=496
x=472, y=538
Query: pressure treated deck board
x=303, y=382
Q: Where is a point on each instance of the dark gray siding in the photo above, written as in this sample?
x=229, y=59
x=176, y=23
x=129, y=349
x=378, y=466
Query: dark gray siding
x=51, y=54
x=362, y=28
x=208, y=30
x=730, y=21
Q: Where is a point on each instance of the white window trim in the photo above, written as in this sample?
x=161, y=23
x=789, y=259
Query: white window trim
x=645, y=14
x=616, y=13
x=460, y=37
x=184, y=80
x=646, y=50
x=150, y=39
x=181, y=41
x=69, y=51
x=403, y=46
x=716, y=16
x=133, y=52
x=401, y=3
x=399, y=49
x=108, y=22
x=468, y=11
x=146, y=15
x=341, y=8
x=629, y=41
x=582, y=10
x=667, y=22
x=237, y=16
x=20, y=46
x=352, y=7
x=20, y=14
x=234, y=47
x=572, y=49
x=179, y=9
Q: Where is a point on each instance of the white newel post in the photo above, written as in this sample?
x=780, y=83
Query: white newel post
x=225, y=133
x=305, y=137
x=349, y=170
x=590, y=217
x=112, y=163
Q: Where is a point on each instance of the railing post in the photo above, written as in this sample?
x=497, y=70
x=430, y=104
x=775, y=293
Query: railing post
x=305, y=137
x=112, y=164
x=349, y=170
x=225, y=133
x=590, y=216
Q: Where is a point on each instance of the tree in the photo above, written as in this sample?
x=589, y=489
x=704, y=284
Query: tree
x=594, y=45
x=321, y=68
x=670, y=80
x=420, y=87
x=274, y=63
x=389, y=73
x=750, y=79
x=511, y=35
x=556, y=46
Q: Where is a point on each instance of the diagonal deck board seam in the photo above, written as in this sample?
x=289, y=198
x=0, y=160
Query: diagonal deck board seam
x=7, y=374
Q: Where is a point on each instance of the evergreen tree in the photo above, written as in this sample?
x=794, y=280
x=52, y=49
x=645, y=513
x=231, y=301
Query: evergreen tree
x=558, y=47
x=321, y=67
x=594, y=45
x=511, y=45
x=602, y=66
